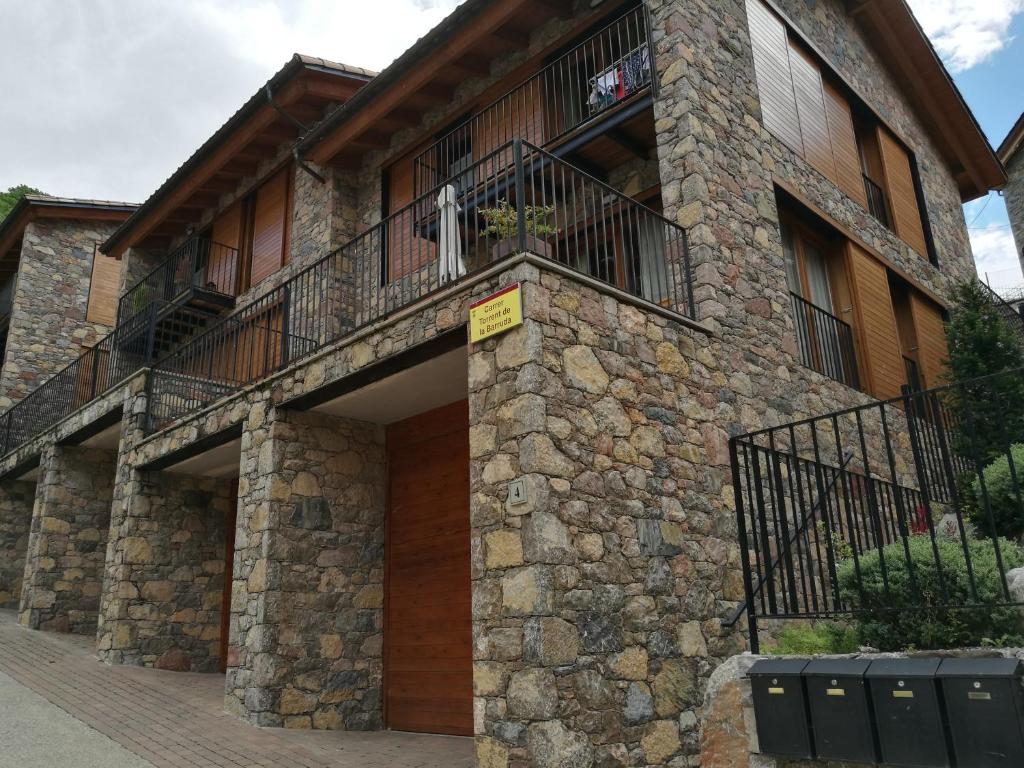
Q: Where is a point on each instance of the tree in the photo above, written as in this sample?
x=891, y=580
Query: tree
x=982, y=344
x=11, y=197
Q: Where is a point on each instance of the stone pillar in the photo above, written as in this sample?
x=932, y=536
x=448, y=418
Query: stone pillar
x=594, y=600
x=307, y=599
x=16, y=500
x=70, y=522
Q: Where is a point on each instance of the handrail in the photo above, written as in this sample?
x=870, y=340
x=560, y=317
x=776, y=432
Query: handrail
x=825, y=342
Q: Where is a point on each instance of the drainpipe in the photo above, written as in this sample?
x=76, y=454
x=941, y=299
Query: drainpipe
x=302, y=131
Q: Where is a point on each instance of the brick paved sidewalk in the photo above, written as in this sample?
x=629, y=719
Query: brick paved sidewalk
x=176, y=720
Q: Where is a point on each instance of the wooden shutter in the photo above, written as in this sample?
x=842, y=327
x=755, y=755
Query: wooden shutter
x=930, y=331
x=269, y=227
x=899, y=182
x=810, y=106
x=774, y=79
x=843, y=138
x=407, y=252
x=103, y=289
x=226, y=235
x=876, y=325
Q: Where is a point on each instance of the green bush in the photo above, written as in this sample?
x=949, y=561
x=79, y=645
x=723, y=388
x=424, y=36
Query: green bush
x=824, y=637
x=912, y=612
x=1005, y=491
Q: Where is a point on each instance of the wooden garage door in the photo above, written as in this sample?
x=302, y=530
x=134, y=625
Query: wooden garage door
x=428, y=659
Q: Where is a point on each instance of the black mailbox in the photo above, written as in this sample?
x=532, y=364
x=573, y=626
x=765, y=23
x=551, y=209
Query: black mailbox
x=840, y=710
x=780, y=708
x=984, y=706
x=908, y=713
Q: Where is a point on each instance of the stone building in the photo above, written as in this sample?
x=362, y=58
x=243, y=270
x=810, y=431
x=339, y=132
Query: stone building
x=669, y=222
x=1012, y=158
x=59, y=291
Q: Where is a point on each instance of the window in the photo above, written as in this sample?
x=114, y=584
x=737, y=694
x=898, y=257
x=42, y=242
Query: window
x=818, y=289
x=104, y=286
x=806, y=107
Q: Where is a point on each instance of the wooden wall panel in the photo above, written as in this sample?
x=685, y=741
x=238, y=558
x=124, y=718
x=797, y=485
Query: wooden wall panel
x=810, y=104
x=103, y=289
x=899, y=182
x=407, y=252
x=930, y=331
x=269, y=227
x=876, y=324
x=774, y=79
x=428, y=653
x=844, y=145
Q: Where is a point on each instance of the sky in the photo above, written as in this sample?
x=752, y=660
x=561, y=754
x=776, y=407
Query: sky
x=105, y=98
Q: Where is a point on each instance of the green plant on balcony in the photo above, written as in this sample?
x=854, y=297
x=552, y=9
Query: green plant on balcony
x=503, y=225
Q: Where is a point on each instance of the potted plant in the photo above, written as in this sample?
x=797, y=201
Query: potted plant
x=503, y=225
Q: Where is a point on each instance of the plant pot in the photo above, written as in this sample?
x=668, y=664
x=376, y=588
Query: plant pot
x=510, y=246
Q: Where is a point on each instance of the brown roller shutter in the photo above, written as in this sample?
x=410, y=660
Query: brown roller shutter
x=876, y=325
x=844, y=145
x=269, y=227
x=774, y=79
x=810, y=105
x=930, y=331
x=103, y=289
x=226, y=235
x=899, y=182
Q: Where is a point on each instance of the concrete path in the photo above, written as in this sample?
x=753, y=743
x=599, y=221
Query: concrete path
x=58, y=703
x=36, y=734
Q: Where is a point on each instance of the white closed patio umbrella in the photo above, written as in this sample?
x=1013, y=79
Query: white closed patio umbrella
x=449, y=241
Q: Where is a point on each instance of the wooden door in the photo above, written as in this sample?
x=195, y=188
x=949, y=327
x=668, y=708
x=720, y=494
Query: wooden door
x=230, y=519
x=428, y=656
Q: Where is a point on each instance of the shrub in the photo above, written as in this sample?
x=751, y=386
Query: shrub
x=823, y=637
x=912, y=612
x=1005, y=491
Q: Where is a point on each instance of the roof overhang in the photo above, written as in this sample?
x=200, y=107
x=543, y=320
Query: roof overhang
x=906, y=50
x=1012, y=143
x=294, y=98
x=33, y=207
x=428, y=74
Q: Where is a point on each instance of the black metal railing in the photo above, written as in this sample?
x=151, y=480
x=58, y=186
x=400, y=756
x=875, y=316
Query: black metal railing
x=912, y=374
x=877, y=205
x=133, y=344
x=592, y=78
x=1013, y=318
x=829, y=508
x=537, y=203
x=825, y=342
x=198, y=264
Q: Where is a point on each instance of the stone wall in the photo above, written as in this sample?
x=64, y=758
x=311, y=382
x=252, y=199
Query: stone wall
x=165, y=562
x=1014, y=194
x=48, y=327
x=16, y=500
x=66, y=550
x=307, y=598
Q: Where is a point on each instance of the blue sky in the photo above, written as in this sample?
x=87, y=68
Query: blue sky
x=986, y=58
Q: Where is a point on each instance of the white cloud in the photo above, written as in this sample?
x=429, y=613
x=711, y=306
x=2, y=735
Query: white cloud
x=995, y=255
x=966, y=32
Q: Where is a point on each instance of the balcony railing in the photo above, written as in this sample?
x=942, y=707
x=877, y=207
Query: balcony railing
x=825, y=342
x=877, y=206
x=536, y=203
x=912, y=373
x=840, y=513
x=199, y=265
x=133, y=344
x=591, y=79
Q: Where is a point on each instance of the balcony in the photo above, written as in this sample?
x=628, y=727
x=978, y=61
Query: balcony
x=537, y=203
x=877, y=205
x=825, y=342
x=605, y=79
x=201, y=273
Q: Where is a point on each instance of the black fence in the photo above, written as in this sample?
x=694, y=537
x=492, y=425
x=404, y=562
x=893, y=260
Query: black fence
x=825, y=342
x=601, y=73
x=1013, y=318
x=877, y=205
x=198, y=264
x=534, y=203
x=833, y=511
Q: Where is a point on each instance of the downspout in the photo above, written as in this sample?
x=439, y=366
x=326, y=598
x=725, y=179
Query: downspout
x=302, y=131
